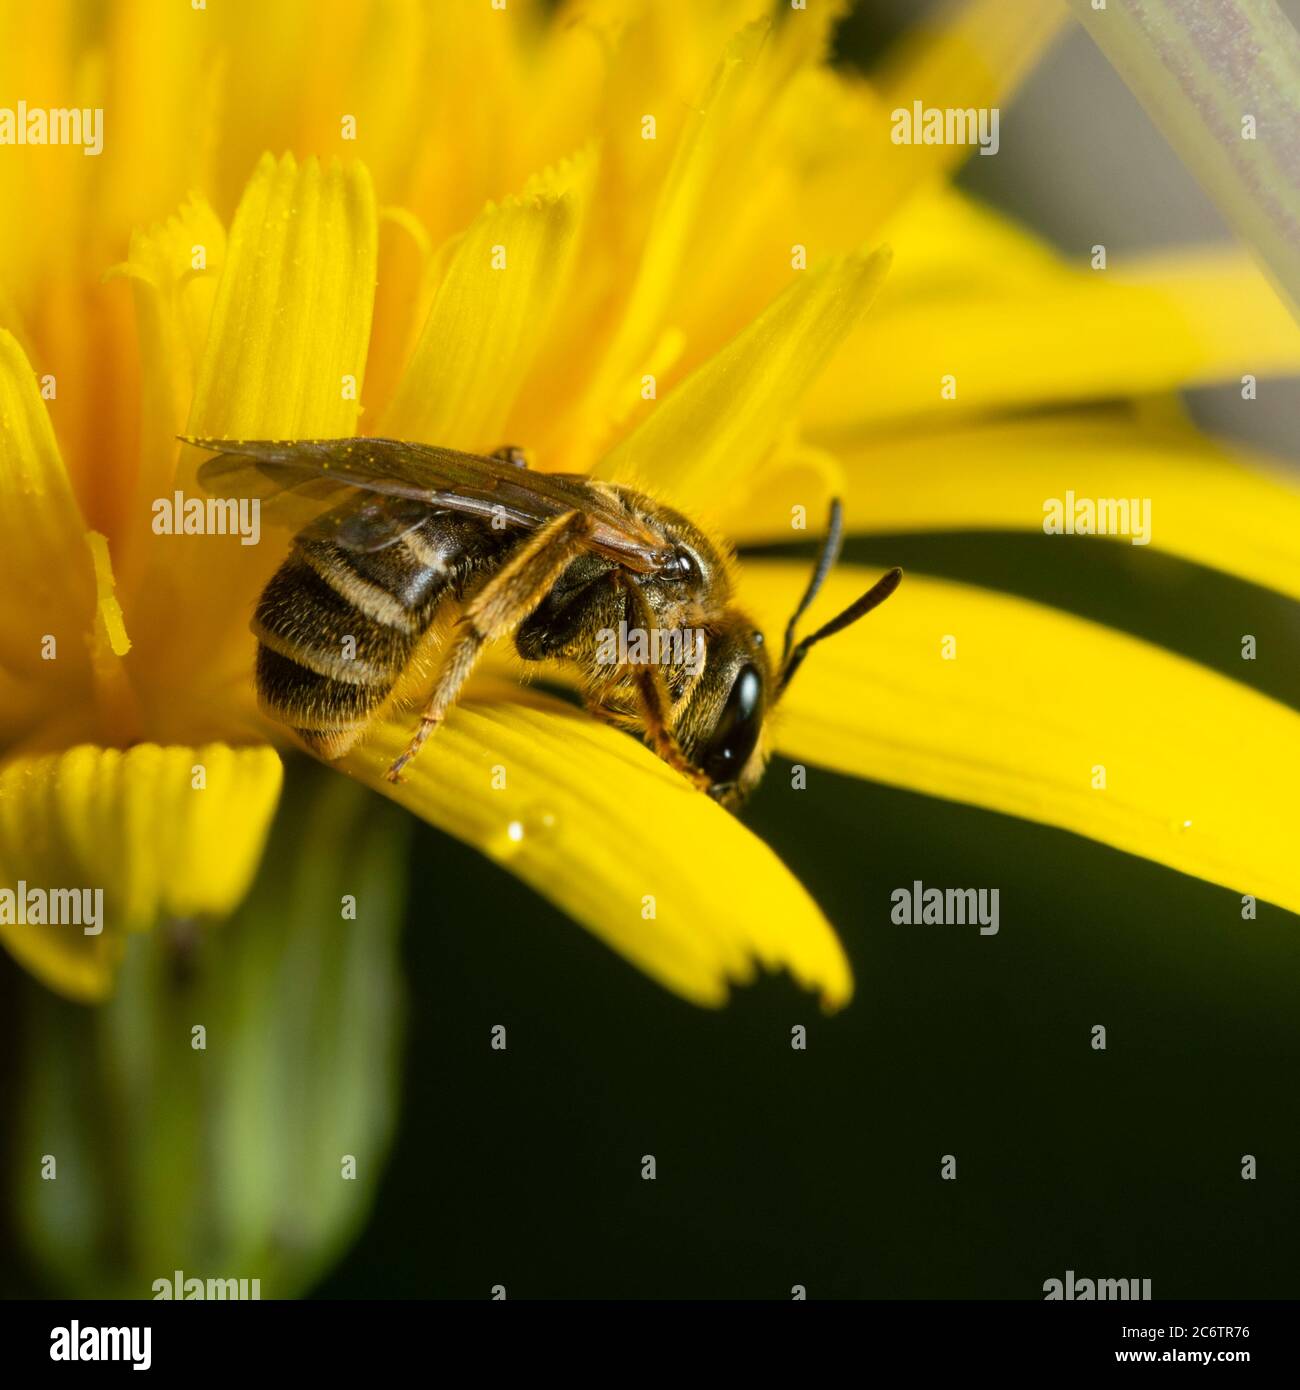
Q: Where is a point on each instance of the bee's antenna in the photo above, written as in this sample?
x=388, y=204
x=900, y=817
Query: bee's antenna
x=876, y=595
x=825, y=563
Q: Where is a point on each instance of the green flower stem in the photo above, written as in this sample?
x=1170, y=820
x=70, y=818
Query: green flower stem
x=1200, y=68
x=225, y=1161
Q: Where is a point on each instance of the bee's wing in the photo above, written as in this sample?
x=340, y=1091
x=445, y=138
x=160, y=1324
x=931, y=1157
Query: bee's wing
x=312, y=471
x=295, y=502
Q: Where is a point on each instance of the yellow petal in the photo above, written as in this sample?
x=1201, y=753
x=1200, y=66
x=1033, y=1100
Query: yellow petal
x=945, y=240
x=491, y=312
x=593, y=821
x=1200, y=772
x=45, y=570
x=476, y=125
x=407, y=274
x=1225, y=305
x=284, y=358
x=137, y=826
x=973, y=53
x=115, y=707
x=703, y=440
x=684, y=194
x=799, y=181
x=788, y=496
x=1233, y=511
x=812, y=165
x=1157, y=324
x=287, y=345
x=172, y=268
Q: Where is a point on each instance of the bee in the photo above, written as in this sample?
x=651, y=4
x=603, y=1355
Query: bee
x=400, y=534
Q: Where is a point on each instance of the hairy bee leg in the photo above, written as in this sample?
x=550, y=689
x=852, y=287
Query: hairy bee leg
x=643, y=720
x=494, y=612
x=655, y=701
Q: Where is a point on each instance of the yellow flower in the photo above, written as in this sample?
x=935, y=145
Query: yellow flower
x=638, y=238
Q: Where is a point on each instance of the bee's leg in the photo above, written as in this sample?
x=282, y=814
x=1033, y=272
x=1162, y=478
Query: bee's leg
x=494, y=612
x=653, y=698
x=655, y=705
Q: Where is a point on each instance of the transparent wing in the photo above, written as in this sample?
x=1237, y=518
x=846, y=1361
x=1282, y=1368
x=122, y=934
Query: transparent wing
x=358, y=520
x=293, y=478
x=365, y=523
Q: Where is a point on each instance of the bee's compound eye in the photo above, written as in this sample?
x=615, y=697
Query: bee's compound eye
x=681, y=566
x=736, y=733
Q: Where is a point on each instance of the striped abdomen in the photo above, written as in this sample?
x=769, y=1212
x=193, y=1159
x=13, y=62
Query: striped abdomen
x=336, y=628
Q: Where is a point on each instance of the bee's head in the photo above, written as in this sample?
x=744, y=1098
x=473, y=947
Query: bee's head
x=722, y=731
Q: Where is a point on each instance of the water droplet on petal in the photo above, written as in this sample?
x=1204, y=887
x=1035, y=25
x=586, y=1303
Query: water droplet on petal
x=533, y=823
